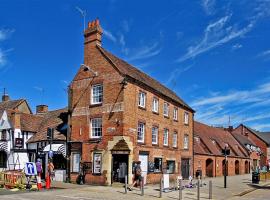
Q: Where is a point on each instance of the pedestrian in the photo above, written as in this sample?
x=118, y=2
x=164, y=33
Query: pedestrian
x=39, y=171
x=137, y=176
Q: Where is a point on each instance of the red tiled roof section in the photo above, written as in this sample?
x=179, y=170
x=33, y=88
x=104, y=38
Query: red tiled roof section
x=215, y=139
x=134, y=73
x=11, y=104
x=30, y=122
x=50, y=119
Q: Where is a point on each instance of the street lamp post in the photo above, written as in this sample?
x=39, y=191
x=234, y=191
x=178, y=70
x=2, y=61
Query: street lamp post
x=225, y=152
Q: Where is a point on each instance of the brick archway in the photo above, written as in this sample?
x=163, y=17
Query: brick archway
x=237, y=167
x=209, y=167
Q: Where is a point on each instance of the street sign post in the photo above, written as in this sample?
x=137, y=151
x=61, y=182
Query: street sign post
x=226, y=152
x=30, y=169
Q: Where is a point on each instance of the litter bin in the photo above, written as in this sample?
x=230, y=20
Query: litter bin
x=198, y=173
x=255, y=177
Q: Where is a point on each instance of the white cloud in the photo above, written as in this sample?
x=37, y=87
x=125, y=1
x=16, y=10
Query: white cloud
x=109, y=35
x=5, y=34
x=216, y=34
x=175, y=73
x=242, y=106
x=2, y=58
x=237, y=46
x=145, y=52
x=264, y=54
x=208, y=6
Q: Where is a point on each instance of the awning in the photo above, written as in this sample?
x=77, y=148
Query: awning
x=4, y=146
x=59, y=148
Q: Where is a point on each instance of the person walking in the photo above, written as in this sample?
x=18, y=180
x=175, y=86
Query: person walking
x=39, y=171
x=137, y=176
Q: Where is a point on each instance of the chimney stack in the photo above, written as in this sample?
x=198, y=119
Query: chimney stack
x=41, y=109
x=93, y=33
x=5, y=97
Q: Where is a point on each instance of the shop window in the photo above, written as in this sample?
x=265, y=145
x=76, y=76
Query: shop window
x=170, y=166
x=97, y=163
x=157, y=164
x=76, y=158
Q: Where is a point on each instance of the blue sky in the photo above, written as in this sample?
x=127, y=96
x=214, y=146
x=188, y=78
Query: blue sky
x=215, y=54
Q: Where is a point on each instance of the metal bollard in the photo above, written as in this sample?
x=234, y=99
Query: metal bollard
x=210, y=189
x=198, y=189
x=180, y=189
x=125, y=184
x=142, y=186
x=160, y=187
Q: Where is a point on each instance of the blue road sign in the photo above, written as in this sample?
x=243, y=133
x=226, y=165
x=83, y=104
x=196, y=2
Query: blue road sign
x=30, y=169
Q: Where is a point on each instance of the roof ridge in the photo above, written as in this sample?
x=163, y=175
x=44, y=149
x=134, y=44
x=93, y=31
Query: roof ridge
x=179, y=100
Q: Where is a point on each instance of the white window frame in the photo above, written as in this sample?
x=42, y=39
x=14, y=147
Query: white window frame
x=186, y=141
x=186, y=118
x=166, y=109
x=96, y=96
x=166, y=137
x=141, y=131
x=78, y=158
x=155, y=135
x=93, y=128
x=142, y=97
x=175, y=113
x=155, y=105
x=175, y=138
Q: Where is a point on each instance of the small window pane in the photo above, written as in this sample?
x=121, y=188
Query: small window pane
x=97, y=94
x=166, y=109
x=155, y=105
x=186, y=142
x=175, y=139
x=154, y=135
x=186, y=116
x=76, y=158
x=170, y=166
x=158, y=164
x=96, y=127
x=165, y=137
x=141, y=130
x=142, y=99
x=175, y=113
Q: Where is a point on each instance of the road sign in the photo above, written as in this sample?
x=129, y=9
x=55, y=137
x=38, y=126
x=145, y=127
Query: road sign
x=30, y=169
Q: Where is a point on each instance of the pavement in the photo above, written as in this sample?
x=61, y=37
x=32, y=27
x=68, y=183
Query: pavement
x=239, y=188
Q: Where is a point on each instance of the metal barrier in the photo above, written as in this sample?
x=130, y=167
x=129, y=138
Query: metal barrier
x=12, y=179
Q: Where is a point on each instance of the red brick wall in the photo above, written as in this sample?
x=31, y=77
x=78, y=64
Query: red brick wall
x=113, y=92
x=200, y=163
x=256, y=140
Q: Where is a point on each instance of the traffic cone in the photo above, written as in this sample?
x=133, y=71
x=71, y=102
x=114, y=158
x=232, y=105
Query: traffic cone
x=48, y=182
x=39, y=185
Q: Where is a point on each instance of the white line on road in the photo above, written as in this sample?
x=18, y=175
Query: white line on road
x=80, y=198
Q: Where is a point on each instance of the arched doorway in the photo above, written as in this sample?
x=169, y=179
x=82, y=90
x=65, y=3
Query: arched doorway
x=246, y=167
x=3, y=159
x=209, y=167
x=237, y=167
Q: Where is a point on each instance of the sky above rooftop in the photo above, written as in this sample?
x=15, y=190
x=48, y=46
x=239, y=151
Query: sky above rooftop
x=215, y=54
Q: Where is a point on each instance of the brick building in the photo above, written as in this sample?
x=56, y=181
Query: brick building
x=255, y=137
x=208, y=144
x=120, y=115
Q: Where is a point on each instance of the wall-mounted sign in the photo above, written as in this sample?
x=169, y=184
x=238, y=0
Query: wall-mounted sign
x=18, y=142
x=97, y=163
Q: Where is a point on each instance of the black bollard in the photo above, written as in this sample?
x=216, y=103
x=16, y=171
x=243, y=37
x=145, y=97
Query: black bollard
x=180, y=189
x=125, y=184
x=198, y=189
x=142, y=186
x=210, y=189
x=160, y=188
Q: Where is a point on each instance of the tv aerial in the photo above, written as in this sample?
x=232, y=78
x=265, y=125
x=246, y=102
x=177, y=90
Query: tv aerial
x=83, y=13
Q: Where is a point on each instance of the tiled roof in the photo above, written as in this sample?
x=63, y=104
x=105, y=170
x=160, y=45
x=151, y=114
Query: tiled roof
x=139, y=76
x=213, y=140
x=53, y=119
x=11, y=104
x=30, y=122
x=265, y=136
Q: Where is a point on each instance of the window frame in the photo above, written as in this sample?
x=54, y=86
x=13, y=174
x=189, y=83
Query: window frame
x=156, y=134
x=78, y=164
x=155, y=104
x=186, y=118
x=167, y=166
x=175, y=139
x=91, y=128
x=186, y=142
x=144, y=99
x=167, y=137
x=167, y=113
x=142, y=132
x=159, y=169
x=175, y=114
x=95, y=96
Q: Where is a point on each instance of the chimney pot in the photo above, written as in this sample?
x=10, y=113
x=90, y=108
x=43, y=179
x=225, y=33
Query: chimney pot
x=5, y=97
x=41, y=109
